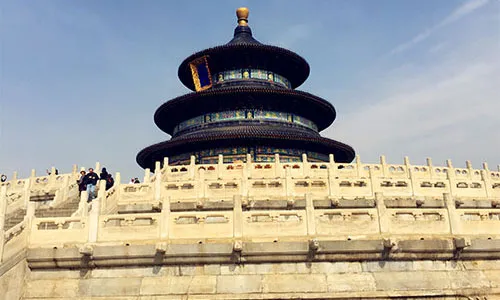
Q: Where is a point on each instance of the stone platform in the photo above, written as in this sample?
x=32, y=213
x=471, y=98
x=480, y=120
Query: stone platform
x=248, y=230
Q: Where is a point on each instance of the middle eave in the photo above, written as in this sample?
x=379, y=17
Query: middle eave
x=184, y=107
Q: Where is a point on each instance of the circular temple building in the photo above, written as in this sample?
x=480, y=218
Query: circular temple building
x=244, y=101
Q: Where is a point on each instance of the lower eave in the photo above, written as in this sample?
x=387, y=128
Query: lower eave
x=147, y=157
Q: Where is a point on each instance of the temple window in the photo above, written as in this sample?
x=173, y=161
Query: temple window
x=245, y=114
x=243, y=74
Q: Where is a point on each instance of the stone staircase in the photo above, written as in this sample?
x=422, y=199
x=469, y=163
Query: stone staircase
x=14, y=218
x=64, y=210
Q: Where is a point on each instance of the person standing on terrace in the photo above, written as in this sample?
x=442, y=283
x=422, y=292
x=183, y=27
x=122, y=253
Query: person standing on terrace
x=104, y=174
x=90, y=180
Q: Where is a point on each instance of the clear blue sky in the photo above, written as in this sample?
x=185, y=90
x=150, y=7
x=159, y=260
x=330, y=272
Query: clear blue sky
x=81, y=80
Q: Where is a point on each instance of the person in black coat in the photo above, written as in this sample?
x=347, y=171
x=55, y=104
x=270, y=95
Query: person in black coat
x=109, y=182
x=90, y=180
x=81, y=184
x=104, y=174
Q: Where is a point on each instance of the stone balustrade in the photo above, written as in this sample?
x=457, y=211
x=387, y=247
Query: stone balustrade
x=275, y=203
x=258, y=230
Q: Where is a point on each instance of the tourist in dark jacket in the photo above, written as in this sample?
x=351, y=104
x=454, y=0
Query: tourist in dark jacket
x=109, y=182
x=104, y=174
x=81, y=183
x=90, y=180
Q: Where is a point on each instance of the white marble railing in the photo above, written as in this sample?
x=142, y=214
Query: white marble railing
x=308, y=222
x=274, y=201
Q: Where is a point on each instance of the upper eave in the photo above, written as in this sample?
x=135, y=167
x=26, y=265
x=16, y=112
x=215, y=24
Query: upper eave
x=249, y=55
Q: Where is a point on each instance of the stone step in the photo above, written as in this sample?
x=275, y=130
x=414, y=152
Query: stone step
x=65, y=210
x=52, y=213
x=14, y=219
x=13, y=222
x=56, y=213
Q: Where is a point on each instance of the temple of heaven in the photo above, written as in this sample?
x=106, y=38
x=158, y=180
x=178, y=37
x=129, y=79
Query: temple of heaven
x=244, y=101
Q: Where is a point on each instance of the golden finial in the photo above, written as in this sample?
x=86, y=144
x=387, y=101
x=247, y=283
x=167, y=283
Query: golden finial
x=242, y=14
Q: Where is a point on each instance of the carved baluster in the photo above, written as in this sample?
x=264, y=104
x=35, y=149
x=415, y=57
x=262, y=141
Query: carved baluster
x=359, y=167
x=486, y=178
x=202, y=188
x=249, y=165
x=374, y=183
x=82, y=205
x=158, y=182
x=147, y=175
x=383, y=216
x=94, y=219
x=453, y=216
x=277, y=166
x=27, y=189
x=289, y=184
x=431, y=167
x=166, y=169
x=305, y=168
x=63, y=193
x=237, y=217
x=192, y=167
x=220, y=166
x=74, y=172
x=310, y=216
x=407, y=165
x=451, y=178
x=165, y=218
x=332, y=172
x=118, y=179
x=470, y=170
x=383, y=165
x=415, y=187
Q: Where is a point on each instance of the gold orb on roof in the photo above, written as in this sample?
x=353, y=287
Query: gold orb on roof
x=242, y=14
